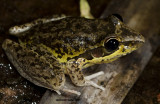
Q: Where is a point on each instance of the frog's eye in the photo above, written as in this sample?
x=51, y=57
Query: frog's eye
x=118, y=16
x=111, y=44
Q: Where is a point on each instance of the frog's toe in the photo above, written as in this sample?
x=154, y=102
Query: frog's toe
x=88, y=78
x=94, y=75
x=91, y=83
x=58, y=92
x=71, y=91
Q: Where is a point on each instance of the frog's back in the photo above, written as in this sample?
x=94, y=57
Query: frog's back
x=70, y=36
x=75, y=32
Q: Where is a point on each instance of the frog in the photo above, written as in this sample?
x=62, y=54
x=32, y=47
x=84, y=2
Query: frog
x=48, y=49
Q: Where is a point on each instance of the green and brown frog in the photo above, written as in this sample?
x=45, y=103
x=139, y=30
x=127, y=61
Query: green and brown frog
x=49, y=49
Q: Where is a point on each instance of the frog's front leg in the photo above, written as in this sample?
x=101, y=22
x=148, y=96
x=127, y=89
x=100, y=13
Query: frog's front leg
x=76, y=75
x=16, y=30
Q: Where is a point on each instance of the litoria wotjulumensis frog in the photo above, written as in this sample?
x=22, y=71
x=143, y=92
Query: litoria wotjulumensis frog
x=49, y=50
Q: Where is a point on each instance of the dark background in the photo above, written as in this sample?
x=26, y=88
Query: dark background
x=16, y=90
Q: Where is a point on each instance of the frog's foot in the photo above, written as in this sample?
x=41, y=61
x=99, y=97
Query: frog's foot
x=22, y=28
x=58, y=92
x=71, y=91
x=85, y=9
x=88, y=78
x=94, y=75
x=87, y=82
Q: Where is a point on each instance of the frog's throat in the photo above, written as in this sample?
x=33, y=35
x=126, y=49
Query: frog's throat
x=111, y=57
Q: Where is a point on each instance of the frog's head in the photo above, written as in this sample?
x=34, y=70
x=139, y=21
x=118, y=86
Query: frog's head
x=118, y=41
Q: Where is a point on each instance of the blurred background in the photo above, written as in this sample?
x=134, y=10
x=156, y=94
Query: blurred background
x=143, y=16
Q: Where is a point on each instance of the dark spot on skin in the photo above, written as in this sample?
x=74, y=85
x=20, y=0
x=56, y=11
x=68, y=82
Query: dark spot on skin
x=77, y=70
x=21, y=54
x=85, y=64
x=44, y=67
x=68, y=58
x=102, y=60
x=9, y=44
x=61, y=78
x=49, y=53
x=52, y=76
x=57, y=45
x=22, y=61
x=31, y=54
x=94, y=27
x=81, y=78
x=57, y=51
x=123, y=50
x=86, y=30
x=70, y=72
x=59, y=56
x=102, y=83
x=80, y=72
x=62, y=54
x=65, y=50
x=72, y=66
x=78, y=26
x=73, y=77
x=71, y=53
x=45, y=77
x=36, y=60
x=18, y=55
x=18, y=48
x=28, y=46
x=41, y=53
x=76, y=48
x=60, y=81
x=32, y=64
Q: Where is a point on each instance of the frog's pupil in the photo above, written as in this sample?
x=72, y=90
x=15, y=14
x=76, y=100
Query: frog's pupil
x=111, y=45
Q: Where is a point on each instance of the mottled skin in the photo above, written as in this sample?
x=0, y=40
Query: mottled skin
x=48, y=51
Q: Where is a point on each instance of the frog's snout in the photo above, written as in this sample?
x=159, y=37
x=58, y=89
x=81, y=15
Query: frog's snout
x=133, y=42
x=134, y=38
x=140, y=39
